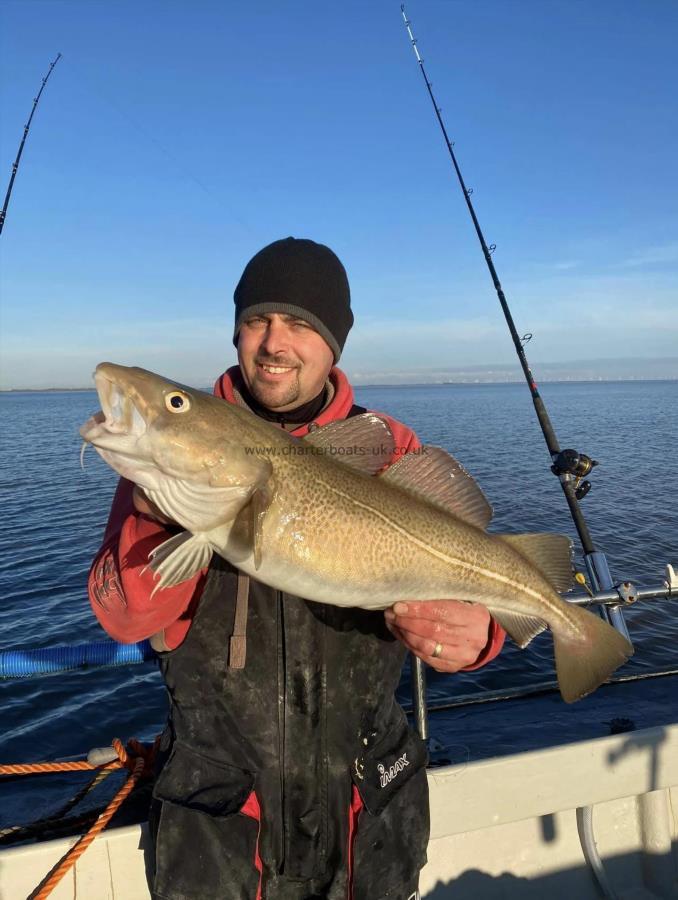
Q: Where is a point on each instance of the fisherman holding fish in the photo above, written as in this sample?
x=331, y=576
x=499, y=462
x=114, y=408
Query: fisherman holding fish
x=287, y=770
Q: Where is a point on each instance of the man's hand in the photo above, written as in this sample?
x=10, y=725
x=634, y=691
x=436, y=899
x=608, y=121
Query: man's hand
x=143, y=505
x=458, y=631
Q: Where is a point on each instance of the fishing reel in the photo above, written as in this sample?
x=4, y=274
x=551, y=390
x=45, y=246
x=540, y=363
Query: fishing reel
x=571, y=464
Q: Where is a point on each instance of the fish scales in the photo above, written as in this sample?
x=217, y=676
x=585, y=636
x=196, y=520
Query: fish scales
x=407, y=547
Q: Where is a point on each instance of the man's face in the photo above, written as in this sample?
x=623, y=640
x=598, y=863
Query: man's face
x=283, y=360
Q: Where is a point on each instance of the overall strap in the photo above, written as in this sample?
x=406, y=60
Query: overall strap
x=238, y=643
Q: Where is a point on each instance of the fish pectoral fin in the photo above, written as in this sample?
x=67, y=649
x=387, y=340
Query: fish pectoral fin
x=521, y=629
x=248, y=527
x=365, y=443
x=179, y=558
x=437, y=477
x=550, y=553
x=259, y=504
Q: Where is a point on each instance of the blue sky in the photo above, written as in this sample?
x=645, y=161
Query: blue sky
x=174, y=140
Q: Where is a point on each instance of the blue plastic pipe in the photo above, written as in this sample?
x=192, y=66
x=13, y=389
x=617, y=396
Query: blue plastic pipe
x=47, y=660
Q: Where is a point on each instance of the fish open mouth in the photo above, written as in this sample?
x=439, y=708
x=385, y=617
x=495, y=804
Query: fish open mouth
x=120, y=410
x=119, y=431
x=119, y=415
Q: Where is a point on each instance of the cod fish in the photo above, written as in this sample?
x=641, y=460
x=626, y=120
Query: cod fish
x=309, y=517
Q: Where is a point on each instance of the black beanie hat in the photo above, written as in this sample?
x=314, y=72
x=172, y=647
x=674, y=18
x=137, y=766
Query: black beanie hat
x=297, y=277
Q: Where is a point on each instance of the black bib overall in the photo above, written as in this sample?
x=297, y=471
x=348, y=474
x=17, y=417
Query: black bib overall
x=311, y=715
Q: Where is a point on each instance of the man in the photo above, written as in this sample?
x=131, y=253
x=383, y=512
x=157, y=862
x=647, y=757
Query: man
x=288, y=772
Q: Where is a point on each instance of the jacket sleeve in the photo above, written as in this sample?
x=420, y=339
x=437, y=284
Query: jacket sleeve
x=120, y=583
x=405, y=442
x=495, y=641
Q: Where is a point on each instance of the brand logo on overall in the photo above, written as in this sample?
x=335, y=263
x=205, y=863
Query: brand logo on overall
x=387, y=775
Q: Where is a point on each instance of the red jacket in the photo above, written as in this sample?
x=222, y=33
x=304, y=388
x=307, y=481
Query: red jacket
x=120, y=584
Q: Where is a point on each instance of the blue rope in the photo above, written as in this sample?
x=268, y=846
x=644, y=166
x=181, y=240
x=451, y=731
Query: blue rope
x=97, y=654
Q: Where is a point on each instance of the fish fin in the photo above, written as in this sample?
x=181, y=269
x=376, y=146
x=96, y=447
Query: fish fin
x=365, y=443
x=521, y=629
x=550, y=553
x=178, y=558
x=437, y=477
x=587, y=654
x=259, y=504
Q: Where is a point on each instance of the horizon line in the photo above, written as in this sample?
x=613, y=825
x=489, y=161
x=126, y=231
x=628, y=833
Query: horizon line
x=399, y=384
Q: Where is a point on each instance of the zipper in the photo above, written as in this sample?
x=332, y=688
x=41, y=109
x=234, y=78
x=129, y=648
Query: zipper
x=282, y=714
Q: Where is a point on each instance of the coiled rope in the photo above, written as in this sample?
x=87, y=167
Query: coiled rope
x=139, y=761
x=21, y=832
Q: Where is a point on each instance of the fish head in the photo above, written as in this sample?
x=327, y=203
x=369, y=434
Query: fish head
x=165, y=437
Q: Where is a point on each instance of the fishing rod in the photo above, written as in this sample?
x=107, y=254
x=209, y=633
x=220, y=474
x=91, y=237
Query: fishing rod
x=570, y=466
x=15, y=167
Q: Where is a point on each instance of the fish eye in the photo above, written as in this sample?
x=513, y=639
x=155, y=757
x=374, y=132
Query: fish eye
x=177, y=402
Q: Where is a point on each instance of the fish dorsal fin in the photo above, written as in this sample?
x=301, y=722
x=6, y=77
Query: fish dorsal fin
x=365, y=442
x=521, y=629
x=437, y=477
x=550, y=553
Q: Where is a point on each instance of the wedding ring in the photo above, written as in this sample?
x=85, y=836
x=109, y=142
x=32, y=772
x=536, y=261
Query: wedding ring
x=437, y=651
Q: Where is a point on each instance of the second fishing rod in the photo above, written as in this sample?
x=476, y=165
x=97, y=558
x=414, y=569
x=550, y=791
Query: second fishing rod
x=570, y=466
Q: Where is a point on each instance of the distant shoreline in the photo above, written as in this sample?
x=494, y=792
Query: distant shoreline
x=391, y=385
x=519, y=381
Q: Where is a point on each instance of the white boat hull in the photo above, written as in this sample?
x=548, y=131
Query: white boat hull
x=500, y=828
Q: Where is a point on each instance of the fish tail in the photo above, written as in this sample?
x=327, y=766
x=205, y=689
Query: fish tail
x=587, y=654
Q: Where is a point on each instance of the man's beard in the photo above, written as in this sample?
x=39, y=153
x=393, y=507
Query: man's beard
x=273, y=396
